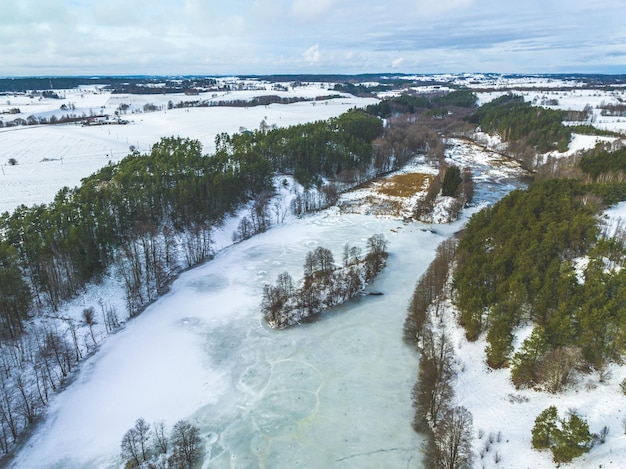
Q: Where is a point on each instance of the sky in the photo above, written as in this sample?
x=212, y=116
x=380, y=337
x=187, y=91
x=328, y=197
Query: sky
x=237, y=37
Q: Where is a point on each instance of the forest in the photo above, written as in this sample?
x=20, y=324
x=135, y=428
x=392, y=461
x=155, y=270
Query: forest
x=538, y=257
x=411, y=104
x=523, y=125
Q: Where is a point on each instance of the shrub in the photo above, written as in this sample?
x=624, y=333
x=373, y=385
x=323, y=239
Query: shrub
x=566, y=438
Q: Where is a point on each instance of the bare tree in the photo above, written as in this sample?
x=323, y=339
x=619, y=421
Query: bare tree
x=89, y=318
x=557, y=366
x=130, y=446
x=452, y=443
x=325, y=260
x=376, y=254
x=434, y=391
x=160, y=438
x=135, y=442
x=143, y=436
x=186, y=442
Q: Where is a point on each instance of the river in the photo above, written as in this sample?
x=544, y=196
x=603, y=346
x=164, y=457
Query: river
x=333, y=393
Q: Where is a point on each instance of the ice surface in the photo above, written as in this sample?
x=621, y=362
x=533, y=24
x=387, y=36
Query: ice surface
x=324, y=394
x=331, y=393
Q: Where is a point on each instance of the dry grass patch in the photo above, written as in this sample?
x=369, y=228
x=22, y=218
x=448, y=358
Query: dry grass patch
x=405, y=185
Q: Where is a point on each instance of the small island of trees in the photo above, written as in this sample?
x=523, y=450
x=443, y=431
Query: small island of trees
x=325, y=285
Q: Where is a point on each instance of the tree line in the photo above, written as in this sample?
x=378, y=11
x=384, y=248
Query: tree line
x=450, y=181
x=528, y=129
x=410, y=104
x=515, y=263
x=448, y=428
x=152, y=214
x=145, y=445
x=540, y=257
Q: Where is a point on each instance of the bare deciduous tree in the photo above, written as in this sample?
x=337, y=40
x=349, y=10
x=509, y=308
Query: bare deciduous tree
x=451, y=447
x=186, y=442
x=557, y=366
x=130, y=446
x=89, y=318
x=160, y=438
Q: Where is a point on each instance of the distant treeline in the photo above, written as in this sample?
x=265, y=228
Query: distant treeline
x=256, y=101
x=135, y=85
x=410, y=104
x=515, y=120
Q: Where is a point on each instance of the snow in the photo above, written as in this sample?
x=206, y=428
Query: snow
x=50, y=157
x=201, y=351
x=504, y=416
x=616, y=215
x=508, y=414
x=266, y=398
x=575, y=99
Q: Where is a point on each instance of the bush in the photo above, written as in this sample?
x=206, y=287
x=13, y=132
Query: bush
x=12, y=161
x=566, y=438
x=545, y=427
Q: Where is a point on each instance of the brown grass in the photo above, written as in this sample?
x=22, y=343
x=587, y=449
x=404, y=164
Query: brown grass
x=405, y=185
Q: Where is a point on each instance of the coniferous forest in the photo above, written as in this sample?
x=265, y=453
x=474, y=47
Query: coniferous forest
x=540, y=257
x=135, y=213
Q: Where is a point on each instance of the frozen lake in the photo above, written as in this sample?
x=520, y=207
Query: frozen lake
x=334, y=393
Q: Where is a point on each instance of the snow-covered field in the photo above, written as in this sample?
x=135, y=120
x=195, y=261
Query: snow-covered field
x=572, y=100
x=50, y=157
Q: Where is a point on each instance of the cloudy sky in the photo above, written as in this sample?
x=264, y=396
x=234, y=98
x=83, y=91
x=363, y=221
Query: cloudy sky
x=108, y=37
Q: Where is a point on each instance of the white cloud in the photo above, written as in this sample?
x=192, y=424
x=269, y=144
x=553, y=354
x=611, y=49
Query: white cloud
x=276, y=36
x=312, y=55
x=429, y=7
x=397, y=62
x=311, y=10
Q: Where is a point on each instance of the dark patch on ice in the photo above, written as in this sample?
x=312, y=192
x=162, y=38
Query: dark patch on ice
x=211, y=283
x=263, y=252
